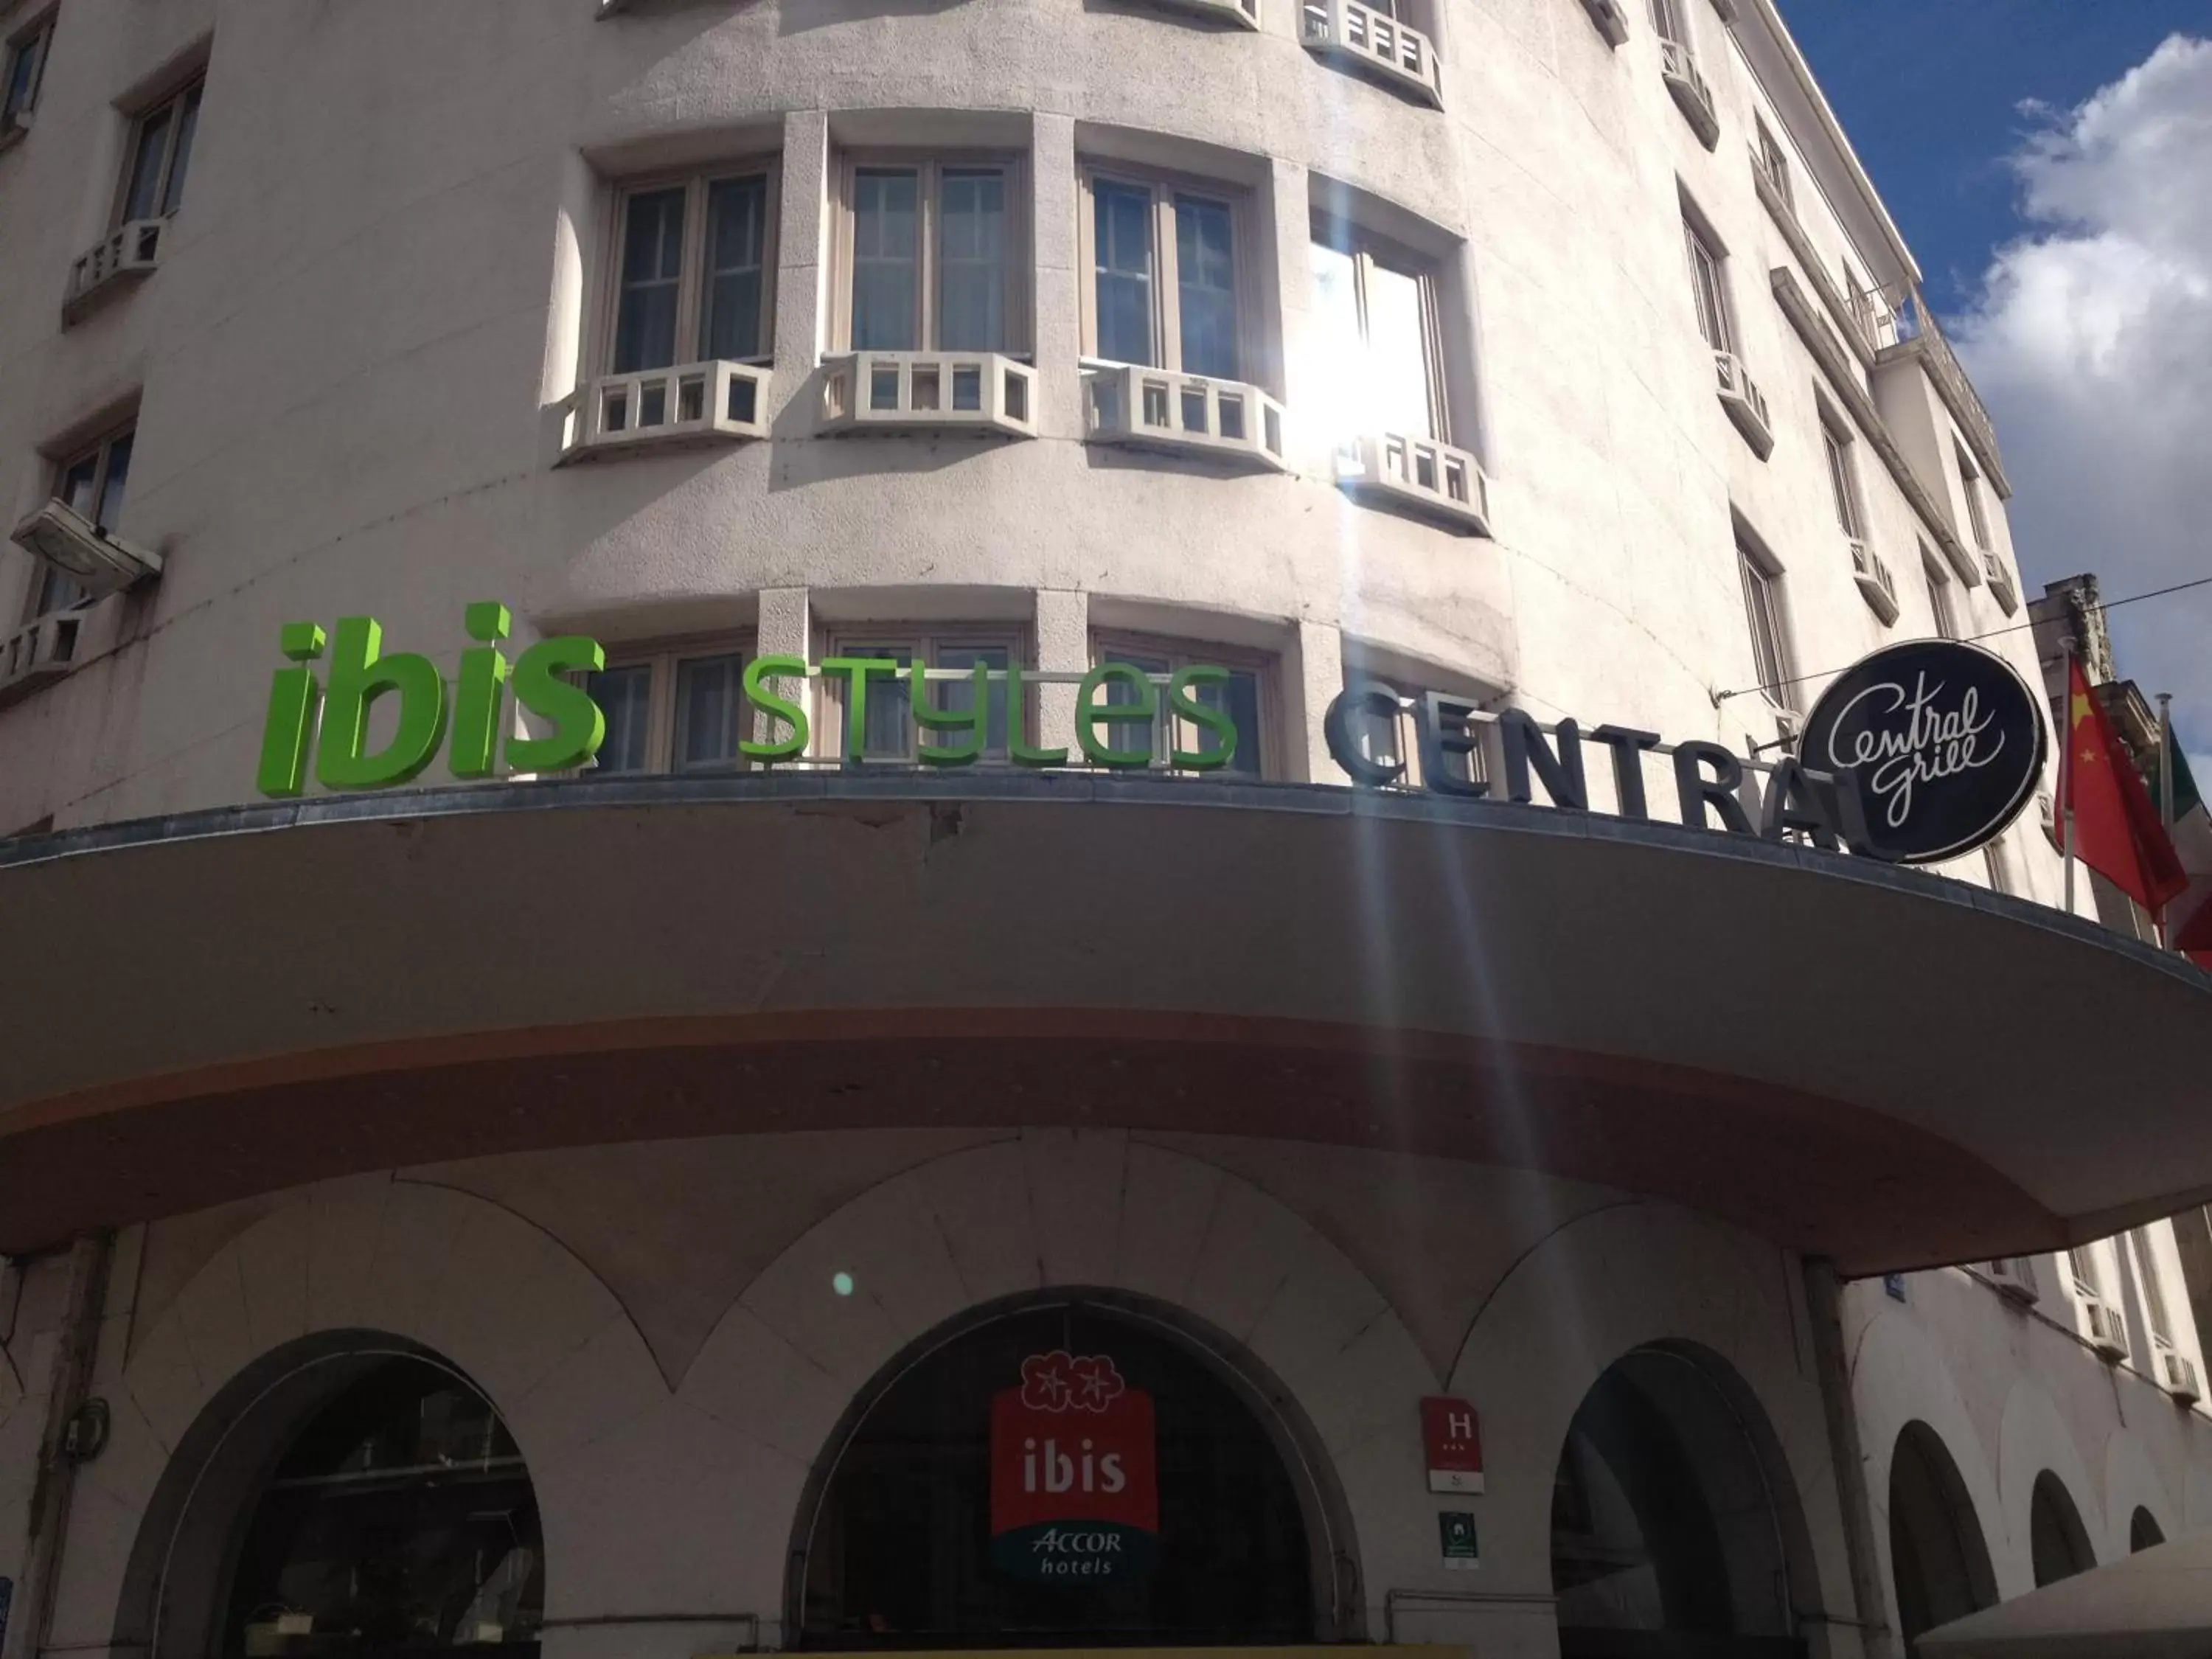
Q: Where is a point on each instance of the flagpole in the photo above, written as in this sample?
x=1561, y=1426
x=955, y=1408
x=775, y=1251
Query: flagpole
x=2066, y=767
x=2165, y=791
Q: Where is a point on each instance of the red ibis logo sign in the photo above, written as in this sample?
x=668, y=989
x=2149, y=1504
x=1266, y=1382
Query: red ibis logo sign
x=1074, y=1473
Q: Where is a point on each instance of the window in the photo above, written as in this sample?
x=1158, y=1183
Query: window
x=1390, y=741
x=1939, y=596
x=1970, y=480
x=696, y=272
x=1763, y=608
x=678, y=708
x=22, y=63
x=1374, y=330
x=890, y=733
x=1166, y=269
x=1669, y=23
x=1708, y=287
x=161, y=150
x=1841, y=481
x=1774, y=160
x=935, y=251
x=2081, y=1262
x=1246, y=696
x=92, y=482
x=2153, y=1288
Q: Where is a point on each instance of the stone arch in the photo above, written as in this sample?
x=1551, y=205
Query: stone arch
x=1900, y=1378
x=2033, y=1441
x=1648, y=1276
x=2134, y=1490
x=362, y=1265
x=1939, y=1556
x=1104, y=1212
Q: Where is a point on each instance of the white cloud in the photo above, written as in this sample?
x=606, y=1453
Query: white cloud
x=2091, y=341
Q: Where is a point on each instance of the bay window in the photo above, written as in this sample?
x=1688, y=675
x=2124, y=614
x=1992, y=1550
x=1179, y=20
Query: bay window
x=678, y=708
x=933, y=253
x=889, y=735
x=1378, y=366
x=695, y=277
x=1246, y=697
x=1165, y=270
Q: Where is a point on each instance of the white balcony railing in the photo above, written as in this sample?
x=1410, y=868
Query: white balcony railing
x=1420, y=476
x=688, y=404
x=1610, y=18
x=929, y=392
x=2000, y=579
x=1155, y=408
x=2014, y=1275
x=1876, y=586
x=1745, y=403
x=1376, y=42
x=2108, y=1331
x=1679, y=69
x=44, y=650
x=126, y=255
x=2178, y=1374
x=1243, y=14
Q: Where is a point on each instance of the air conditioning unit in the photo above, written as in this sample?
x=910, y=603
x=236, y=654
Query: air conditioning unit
x=45, y=650
x=2178, y=1374
x=1679, y=69
x=1876, y=586
x=127, y=255
x=690, y=404
x=1745, y=403
x=928, y=391
x=1420, y=475
x=1376, y=42
x=2014, y=1276
x=2001, y=584
x=100, y=562
x=1188, y=414
x=1611, y=20
x=2108, y=1331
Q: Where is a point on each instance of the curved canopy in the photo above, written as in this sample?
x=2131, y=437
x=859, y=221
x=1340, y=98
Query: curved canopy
x=1876, y=1065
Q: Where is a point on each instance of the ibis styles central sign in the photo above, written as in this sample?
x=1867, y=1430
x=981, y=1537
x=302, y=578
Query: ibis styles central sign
x=345, y=672
x=1919, y=752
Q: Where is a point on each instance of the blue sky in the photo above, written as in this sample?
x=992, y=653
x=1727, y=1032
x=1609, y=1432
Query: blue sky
x=1929, y=92
x=2050, y=162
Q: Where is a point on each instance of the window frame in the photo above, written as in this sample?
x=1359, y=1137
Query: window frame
x=1837, y=450
x=37, y=34
x=172, y=104
x=1369, y=249
x=923, y=640
x=1670, y=20
x=2150, y=1278
x=1776, y=160
x=929, y=166
x=698, y=184
x=666, y=657
x=101, y=451
x=1412, y=692
x=1970, y=484
x=1762, y=578
x=1942, y=610
x=1163, y=186
x=1119, y=645
x=1699, y=242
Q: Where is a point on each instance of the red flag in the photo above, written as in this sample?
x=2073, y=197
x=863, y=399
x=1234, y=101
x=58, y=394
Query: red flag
x=2117, y=831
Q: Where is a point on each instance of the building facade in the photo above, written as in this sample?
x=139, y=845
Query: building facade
x=657, y=1207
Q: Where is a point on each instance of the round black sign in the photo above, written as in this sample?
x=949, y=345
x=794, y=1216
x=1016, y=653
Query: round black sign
x=1946, y=740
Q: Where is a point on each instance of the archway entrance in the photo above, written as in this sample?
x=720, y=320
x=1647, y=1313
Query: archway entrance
x=347, y=1497
x=2144, y=1532
x=1667, y=1536
x=1062, y=1475
x=1937, y=1553
x=2058, y=1544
